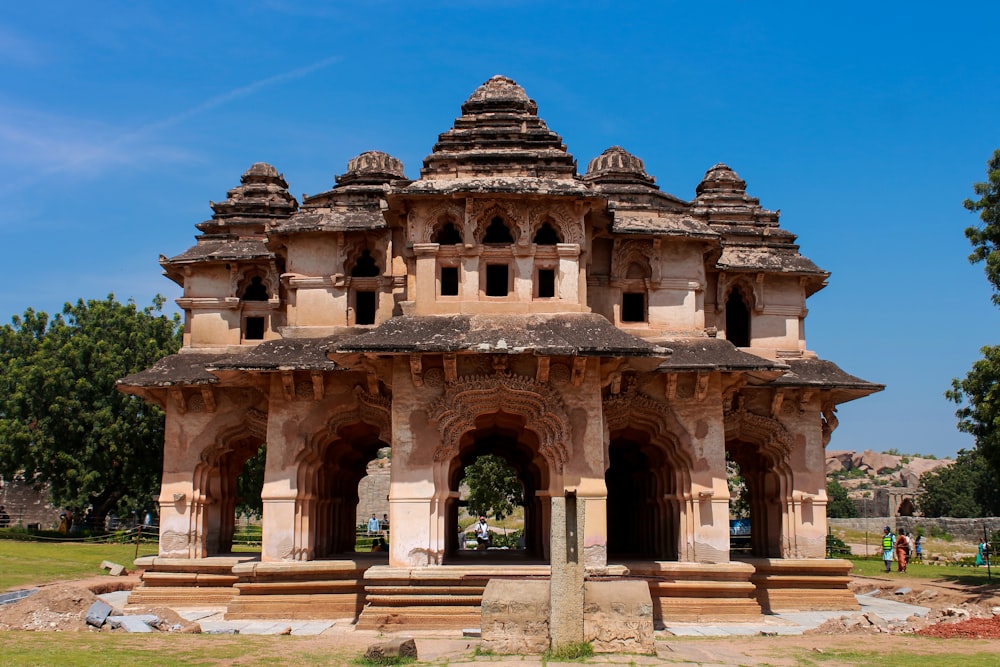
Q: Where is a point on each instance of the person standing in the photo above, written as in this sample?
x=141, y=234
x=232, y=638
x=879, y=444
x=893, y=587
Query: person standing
x=888, y=545
x=902, y=552
x=919, y=554
x=482, y=531
x=373, y=526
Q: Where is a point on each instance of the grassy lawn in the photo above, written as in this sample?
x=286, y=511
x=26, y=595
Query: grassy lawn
x=968, y=576
x=23, y=564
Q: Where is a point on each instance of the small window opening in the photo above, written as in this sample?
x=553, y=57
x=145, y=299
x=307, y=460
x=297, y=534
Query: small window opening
x=256, y=290
x=253, y=329
x=496, y=280
x=546, y=283
x=449, y=281
x=737, y=320
x=364, y=307
x=448, y=235
x=365, y=267
x=498, y=232
x=546, y=235
x=633, y=307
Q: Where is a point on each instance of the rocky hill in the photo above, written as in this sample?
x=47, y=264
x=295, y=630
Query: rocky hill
x=872, y=475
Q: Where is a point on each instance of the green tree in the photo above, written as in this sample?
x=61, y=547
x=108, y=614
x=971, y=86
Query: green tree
x=494, y=488
x=978, y=394
x=967, y=488
x=62, y=422
x=838, y=504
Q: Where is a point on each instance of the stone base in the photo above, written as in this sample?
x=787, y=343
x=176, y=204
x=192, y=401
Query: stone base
x=308, y=590
x=186, y=582
x=806, y=584
x=691, y=592
x=617, y=616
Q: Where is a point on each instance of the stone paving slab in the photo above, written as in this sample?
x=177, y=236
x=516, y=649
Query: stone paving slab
x=795, y=623
x=266, y=627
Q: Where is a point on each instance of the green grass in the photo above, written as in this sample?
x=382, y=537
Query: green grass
x=569, y=652
x=26, y=563
x=21, y=649
x=915, y=657
x=969, y=576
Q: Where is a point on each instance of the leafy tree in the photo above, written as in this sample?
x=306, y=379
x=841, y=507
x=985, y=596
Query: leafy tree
x=838, y=504
x=494, y=488
x=63, y=424
x=250, y=484
x=978, y=393
x=985, y=240
x=967, y=488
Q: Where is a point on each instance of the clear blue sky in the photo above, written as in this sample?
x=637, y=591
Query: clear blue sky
x=864, y=122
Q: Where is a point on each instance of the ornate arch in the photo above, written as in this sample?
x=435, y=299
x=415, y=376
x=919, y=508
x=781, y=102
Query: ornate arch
x=353, y=251
x=372, y=409
x=437, y=217
x=767, y=433
x=633, y=409
x=748, y=289
x=562, y=219
x=240, y=278
x=631, y=251
x=508, y=211
x=464, y=400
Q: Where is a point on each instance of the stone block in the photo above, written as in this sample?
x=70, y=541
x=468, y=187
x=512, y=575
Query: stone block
x=98, y=613
x=618, y=617
x=400, y=647
x=515, y=616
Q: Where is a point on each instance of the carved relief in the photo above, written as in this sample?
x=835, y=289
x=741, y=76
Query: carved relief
x=830, y=422
x=256, y=422
x=466, y=399
x=437, y=217
x=509, y=212
x=770, y=434
x=635, y=252
x=634, y=409
x=562, y=217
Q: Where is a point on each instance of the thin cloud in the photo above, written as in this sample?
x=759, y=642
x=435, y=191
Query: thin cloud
x=50, y=144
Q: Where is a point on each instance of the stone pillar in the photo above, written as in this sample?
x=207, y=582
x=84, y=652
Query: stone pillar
x=566, y=582
x=426, y=273
x=569, y=273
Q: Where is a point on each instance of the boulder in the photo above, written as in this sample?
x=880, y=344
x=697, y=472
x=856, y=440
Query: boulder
x=400, y=647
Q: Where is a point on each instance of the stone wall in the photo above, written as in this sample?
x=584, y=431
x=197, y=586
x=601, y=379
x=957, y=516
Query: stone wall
x=965, y=530
x=373, y=491
x=25, y=505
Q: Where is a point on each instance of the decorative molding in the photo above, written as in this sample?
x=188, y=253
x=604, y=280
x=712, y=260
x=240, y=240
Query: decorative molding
x=470, y=397
x=772, y=437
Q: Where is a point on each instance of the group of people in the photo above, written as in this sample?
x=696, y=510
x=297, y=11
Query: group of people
x=983, y=554
x=901, y=548
x=376, y=527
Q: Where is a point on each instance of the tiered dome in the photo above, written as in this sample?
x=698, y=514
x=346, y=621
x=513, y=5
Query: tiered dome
x=262, y=193
x=499, y=135
x=372, y=168
x=617, y=165
x=721, y=179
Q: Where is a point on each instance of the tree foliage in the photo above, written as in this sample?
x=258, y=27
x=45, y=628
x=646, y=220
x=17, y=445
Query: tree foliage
x=63, y=423
x=978, y=394
x=838, y=504
x=494, y=487
x=967, y=488
x=985, y=240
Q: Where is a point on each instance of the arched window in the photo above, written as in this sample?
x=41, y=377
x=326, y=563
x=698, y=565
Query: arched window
x=737, y=320
x=546, y=235
x=448, y=235
x=498, y=232
x=255, y=291
x=365, y=267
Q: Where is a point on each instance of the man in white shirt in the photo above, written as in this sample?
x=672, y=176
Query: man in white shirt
x=482, y=534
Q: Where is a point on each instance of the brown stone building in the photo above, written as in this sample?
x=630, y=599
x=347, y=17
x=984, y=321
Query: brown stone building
x=608, y=339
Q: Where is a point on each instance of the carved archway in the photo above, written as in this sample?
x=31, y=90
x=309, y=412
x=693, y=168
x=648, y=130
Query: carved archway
x=648, y=462
x=761, y=446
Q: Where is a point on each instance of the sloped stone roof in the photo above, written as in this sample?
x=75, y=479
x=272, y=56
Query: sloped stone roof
x=568, y=334
x=706, y=354
x=221, y=250
x=823, y=373
x=287, y=354
x=174, y=370
x=666, y=224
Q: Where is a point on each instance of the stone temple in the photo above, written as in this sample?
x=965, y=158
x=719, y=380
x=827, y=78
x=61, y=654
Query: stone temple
x=614, y=343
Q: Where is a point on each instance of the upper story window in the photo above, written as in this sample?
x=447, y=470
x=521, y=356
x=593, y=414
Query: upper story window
x=448, y=235
x=737, y=320
x=546, y=235
x=365, y=267
x=255, y=291
x=498, y=232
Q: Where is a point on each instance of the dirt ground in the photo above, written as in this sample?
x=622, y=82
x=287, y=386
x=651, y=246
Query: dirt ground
x=958, y=612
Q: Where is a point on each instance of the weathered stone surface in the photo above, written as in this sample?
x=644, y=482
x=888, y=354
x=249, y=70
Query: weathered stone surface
x=618, y=617
x=400, y=647
x=98, y=613
x=515, y=616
